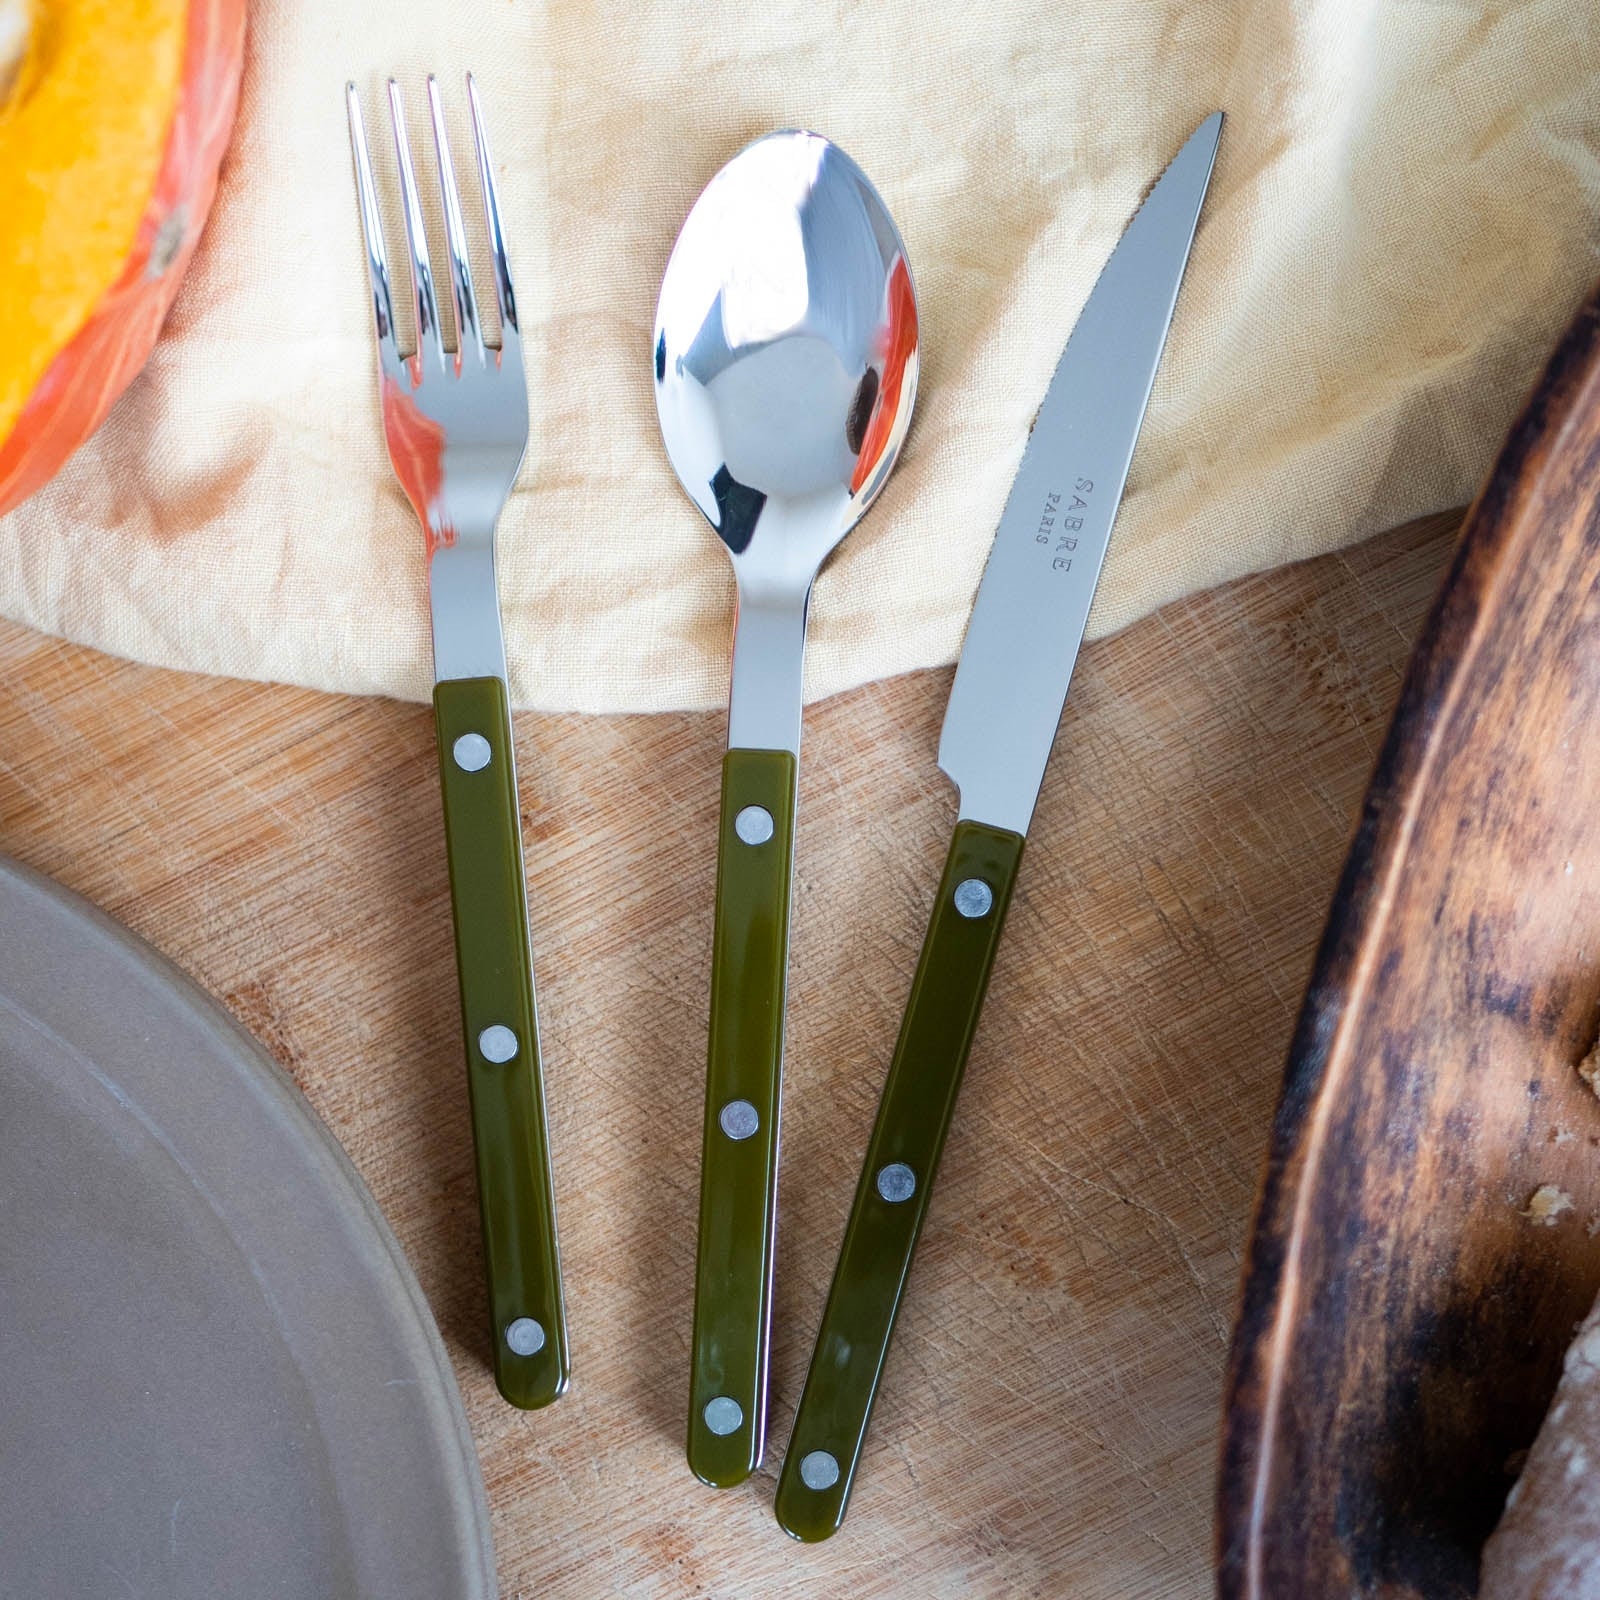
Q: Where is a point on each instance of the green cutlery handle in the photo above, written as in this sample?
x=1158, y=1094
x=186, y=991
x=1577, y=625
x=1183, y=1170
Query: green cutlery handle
x=739, y=1156
x=891, y=1200
x=489, y=902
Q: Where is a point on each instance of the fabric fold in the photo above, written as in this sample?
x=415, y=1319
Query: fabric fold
x=1405, y=212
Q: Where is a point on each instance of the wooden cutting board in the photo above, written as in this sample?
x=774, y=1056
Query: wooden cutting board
x=1049, y=1417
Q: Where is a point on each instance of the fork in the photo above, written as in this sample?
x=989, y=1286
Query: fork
x=456, y=424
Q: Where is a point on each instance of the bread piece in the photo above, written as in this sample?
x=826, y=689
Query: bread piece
x=1547, y=1546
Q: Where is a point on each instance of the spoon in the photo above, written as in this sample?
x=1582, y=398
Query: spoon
x=786, y=367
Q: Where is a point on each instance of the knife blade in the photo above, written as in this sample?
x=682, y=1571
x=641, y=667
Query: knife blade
x=1033, y=603
x=1005, y=704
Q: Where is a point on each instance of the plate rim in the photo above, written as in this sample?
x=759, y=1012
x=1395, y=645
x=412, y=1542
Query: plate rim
x=256, y=1072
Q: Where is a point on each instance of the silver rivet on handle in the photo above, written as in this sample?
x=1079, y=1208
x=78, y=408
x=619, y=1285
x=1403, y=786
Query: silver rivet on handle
x=897, y=1182
x=739, y=1119
x=819, y=1470
x=497, y=1043
x=525, y=1337
x=753, y=825
x=472, y=752
x=973, y=898
x=723, y=1415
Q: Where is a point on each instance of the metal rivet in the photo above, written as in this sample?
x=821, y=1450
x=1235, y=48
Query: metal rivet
x=897, y=1182
x=753, y=824
x=472, y=752
x=724, y=1415
x=973, y=897
x=525, y=1337
x=739, y=1119
x=819, y=1470
x=497, y=1043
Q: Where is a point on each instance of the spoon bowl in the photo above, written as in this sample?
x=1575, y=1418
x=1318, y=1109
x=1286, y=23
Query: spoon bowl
x=786, y=355
x=786, y=367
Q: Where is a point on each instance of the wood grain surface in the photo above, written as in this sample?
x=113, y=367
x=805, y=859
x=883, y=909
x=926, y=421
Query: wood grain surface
x=1049, y=1418
x=1409, y=1301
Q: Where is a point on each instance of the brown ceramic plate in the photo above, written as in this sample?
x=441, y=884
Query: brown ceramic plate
x=218, y=1378
x=1403, y=1318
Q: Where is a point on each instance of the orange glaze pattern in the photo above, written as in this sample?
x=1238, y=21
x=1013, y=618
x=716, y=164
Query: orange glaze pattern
x=103, y=357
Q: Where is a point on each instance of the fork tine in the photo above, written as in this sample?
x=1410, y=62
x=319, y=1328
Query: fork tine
x=372, y=233
x=509, y=332
x=467, y=331
x=430, y=343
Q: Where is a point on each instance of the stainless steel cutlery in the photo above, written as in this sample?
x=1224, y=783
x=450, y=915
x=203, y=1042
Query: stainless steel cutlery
x=456, y=424
x=785, y=362
x=1010, y=686
x=785, y=368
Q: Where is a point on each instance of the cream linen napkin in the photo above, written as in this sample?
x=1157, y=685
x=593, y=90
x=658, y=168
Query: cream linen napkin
x=1405, y=212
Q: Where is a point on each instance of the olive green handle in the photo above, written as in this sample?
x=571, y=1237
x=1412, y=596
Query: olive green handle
x=739, y=1156
x=489, y=901
x=897, y=1180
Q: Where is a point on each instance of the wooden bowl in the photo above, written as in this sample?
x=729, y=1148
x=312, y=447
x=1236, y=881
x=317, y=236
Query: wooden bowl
x=1403, y=1317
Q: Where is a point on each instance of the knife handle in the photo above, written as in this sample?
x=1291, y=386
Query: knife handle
x=891, y=1200
x=494, y=962
x=739, y=1153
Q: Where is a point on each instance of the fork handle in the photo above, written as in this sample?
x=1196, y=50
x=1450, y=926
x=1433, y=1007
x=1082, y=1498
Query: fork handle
x=919, y=1099
x=494, y=961
x=739, y=1153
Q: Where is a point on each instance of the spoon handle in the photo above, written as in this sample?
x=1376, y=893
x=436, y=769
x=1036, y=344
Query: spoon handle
x=739, y=1157
x=494, y=963
x=919, y=1098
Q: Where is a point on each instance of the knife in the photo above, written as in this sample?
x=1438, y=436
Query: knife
x=1010, y=686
